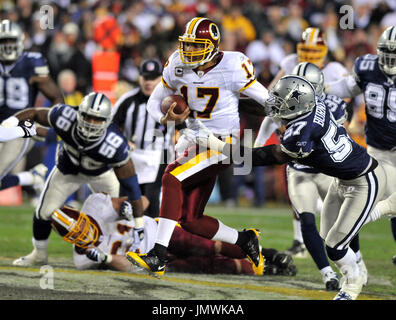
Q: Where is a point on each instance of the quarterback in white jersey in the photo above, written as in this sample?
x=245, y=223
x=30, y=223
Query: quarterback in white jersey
x=211, y=82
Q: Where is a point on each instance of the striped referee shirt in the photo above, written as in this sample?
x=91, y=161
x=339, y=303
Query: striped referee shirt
x=131, y=115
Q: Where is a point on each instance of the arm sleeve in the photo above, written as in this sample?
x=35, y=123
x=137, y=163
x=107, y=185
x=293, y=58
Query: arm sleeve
x=256, y=91
x=268, y=126
x=8, y=134
x=346, y=87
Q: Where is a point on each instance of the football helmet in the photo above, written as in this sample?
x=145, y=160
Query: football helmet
x=11, y=41
x=75, y=227
x=200, y=33
x=312, y=73
x=386, y=50
x=290, y=97
x=312, y=47
x=93, y=106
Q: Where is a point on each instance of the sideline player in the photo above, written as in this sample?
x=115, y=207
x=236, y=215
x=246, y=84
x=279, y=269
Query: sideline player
x=211, y=82
x=375, y=77
x=22, y=75
x=93, y=152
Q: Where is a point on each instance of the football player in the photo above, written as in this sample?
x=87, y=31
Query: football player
x=102, y=234
x=93, y=151
x=211, y=82
x=314, y=138
x=22, y=75
x=305, y=184
x=375, y=77
x=311, y=48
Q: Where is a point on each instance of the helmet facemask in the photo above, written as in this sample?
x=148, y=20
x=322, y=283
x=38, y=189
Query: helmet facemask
x=11, y=41
x=81, y=232
x=89, y=131
x=387, y=59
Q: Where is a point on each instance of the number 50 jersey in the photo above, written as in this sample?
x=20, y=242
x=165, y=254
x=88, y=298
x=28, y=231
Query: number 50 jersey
x=111, y=150
x=212, y=94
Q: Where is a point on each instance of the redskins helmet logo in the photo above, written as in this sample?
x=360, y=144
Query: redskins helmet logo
x=214, y=31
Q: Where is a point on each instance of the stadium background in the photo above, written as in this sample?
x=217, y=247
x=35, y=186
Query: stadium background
x=81, y=34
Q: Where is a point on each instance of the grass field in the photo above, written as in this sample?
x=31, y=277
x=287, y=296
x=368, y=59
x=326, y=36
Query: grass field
x=275, y=224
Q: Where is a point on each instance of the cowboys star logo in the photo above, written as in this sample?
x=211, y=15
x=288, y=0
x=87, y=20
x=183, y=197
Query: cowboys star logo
x=296, y=93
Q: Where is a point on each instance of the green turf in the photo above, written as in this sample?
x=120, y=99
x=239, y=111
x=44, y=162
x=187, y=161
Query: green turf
x=274, y=222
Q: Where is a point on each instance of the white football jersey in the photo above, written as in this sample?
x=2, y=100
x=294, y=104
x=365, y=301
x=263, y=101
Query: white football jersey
x=117, y=234
x=332, y=71
x=212, y=94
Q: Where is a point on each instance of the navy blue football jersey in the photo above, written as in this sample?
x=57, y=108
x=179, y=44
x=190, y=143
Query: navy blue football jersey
x=380, y=97
x=317, y=140
x=337, y=107
x=96, y=158
x=15, y=91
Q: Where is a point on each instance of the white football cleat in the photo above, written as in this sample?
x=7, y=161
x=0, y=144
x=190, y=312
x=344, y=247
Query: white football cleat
x=350, y=288
x=39, y=172
x=35, y=258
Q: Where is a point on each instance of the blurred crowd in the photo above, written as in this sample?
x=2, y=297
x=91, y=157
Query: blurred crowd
x=69, y=32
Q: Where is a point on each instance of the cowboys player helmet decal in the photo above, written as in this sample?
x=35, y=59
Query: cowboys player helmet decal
x=312, y=73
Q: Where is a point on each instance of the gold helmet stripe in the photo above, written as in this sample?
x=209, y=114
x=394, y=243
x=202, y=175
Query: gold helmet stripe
x=314, y=35
x=193, y=25
x=62, y=220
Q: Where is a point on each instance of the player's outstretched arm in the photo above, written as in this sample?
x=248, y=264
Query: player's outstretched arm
x=39, y=115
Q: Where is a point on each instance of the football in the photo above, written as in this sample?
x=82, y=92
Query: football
x=167, y=102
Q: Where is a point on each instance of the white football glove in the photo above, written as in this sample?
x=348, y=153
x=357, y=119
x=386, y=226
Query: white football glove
x=28, y=127
x=186, y=140
x=206, y=138
x=10, y=122
x=97, y=255
x=126, y=210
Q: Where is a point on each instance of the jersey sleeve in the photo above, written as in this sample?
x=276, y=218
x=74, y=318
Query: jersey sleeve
x=169, y=71
x=244, y=74
x=296, y=141
x=122, y=151
x=288, y=63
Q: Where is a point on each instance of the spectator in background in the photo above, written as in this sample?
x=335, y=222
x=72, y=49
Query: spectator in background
x=67, y=82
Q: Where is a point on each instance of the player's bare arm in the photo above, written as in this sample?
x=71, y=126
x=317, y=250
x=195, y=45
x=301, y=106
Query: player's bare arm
x=39, y=115
x=124, y=174
x=48, y=87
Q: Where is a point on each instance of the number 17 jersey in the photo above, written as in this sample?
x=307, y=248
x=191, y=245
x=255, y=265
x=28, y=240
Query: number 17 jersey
x=212, y=94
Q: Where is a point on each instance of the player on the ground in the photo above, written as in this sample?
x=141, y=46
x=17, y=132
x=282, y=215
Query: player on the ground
x=314, y=138
x=375, y=77
x=22, y=75
x=93, y=151
x=211, y=82
x=307, y=185
x=110, y=235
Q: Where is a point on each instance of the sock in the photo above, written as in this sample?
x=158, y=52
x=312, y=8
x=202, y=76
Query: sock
x=326, y=270
x=41, y=228
x=393, y=227
x=165, y=231
x=355, y=244
x=312, y=240
x=25, y=178
x=297, y=230
x=9, y=181
x=226, y=234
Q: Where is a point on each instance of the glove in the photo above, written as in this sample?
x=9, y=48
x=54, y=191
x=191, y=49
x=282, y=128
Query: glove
x=126, y=210
x=206, y=138
x=186, y=140
x=138, y=236
x=28, y=127
x=97, y=255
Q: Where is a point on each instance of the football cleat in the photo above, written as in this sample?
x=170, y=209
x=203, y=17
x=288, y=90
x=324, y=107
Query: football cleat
x=148, y=261
x=297, y=250
x=331, y=281
x=350, y=288
x=35, y=258
x=39, y=172
x=363, y=271
x=280, y=264
x=252, y=249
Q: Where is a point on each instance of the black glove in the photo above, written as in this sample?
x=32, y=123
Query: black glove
x=28, y=127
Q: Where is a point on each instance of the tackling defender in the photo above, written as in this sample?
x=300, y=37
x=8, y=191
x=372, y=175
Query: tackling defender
x=211, y=82
x=93, y=151
x=314, y=138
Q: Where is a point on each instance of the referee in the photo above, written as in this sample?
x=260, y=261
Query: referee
x=151, y=143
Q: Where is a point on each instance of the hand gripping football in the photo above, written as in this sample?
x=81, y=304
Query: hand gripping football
x=167, y=102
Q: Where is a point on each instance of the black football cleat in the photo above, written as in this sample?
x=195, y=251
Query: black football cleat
x=148, y=261
x=252, y=249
